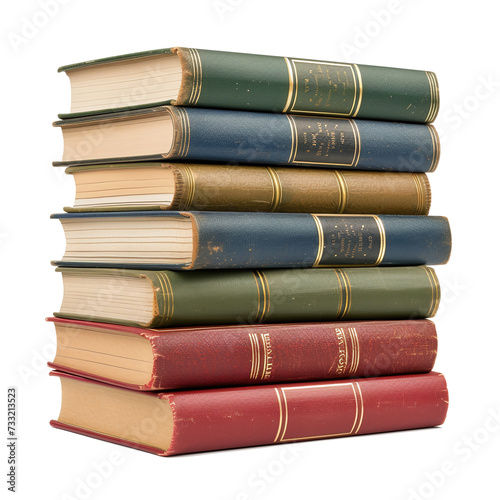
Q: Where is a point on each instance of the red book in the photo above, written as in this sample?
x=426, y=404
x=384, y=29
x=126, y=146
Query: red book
x=178, y=358
x=212, y=419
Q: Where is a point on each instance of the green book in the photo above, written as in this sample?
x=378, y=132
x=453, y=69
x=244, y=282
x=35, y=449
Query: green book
x=157, y=299
x=217, y=79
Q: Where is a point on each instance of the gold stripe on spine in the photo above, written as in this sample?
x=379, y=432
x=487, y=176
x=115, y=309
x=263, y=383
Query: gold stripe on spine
x=435, y=291
x=267, y=295
x=345, y=293
x=434, y=94
x=357, y=143
x=436, y=148
x=383, y=242
x=360, y=84
x=168, y=296
x=259, y=302
x=360, y=414
x=321, y=240
x=185, y=131
x=264, y=298
x=293, y=148
x=255, y=355
x=342, y=191
x=277, y=189
x=197, y=77
x=280, y=422
x=420, y=193
x=291, y=85
x=355, y=350
x=190, y=185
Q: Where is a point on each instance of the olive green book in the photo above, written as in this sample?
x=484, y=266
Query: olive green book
x=218, y=79
x=157, y=299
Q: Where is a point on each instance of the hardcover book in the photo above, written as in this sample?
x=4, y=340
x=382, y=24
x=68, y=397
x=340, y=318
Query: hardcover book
x=236, y=240
x=215, y=419
x=216, y=79
x=224, y=136
x=157, y=299
x=234, y=188
x=180, y=358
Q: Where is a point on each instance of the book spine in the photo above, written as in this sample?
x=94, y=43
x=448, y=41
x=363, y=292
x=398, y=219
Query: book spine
x=281, y=189
x=215, y=79
x=249, y=416
x=241, y=355
x=219, y=136
x=231, y=240
x=292, y=295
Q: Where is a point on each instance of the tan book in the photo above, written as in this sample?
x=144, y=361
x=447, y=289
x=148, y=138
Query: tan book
x=180, y=186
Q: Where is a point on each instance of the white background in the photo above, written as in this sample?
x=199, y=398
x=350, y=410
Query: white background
x=457, y=40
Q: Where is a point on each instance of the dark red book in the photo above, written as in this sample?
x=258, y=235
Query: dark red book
x=232, y=417
x=177, y=358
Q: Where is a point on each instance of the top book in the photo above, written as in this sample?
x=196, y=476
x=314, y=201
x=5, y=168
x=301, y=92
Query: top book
x=216, y=79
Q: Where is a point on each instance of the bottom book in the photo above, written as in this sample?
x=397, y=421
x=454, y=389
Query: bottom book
x=176, y=422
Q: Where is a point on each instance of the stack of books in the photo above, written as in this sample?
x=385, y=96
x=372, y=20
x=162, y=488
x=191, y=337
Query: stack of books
x=247, y=258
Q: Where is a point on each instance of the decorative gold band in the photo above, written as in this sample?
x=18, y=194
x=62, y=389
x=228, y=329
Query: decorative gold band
x=345, y=294
x=436, y=148
x=435, y=291
x=197, y=77
x=185, y=132
x=330, y=392
x=342, y=191
x=277, y=189
x=190, y=185
x=263, y=295
x=434, y=91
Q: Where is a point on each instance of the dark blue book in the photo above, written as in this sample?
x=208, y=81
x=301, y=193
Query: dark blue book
x=237, y=240
x=243, y=137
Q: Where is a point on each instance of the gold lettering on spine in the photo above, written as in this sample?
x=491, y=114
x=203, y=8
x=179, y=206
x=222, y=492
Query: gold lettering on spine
x=383, y=242
x=342, y=191
x=435, y=291
x=342, y=350
x=277, y=189
x=293, y=86
x=260, y=357
x=436, y=148
x=434, y=92
x=197, y=77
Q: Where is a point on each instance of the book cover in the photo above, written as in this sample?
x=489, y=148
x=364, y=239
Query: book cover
x=248, y=137
x=181, y=358
x=219, y=79
x=224, y=418
x=237, y=240
x=157, y=299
